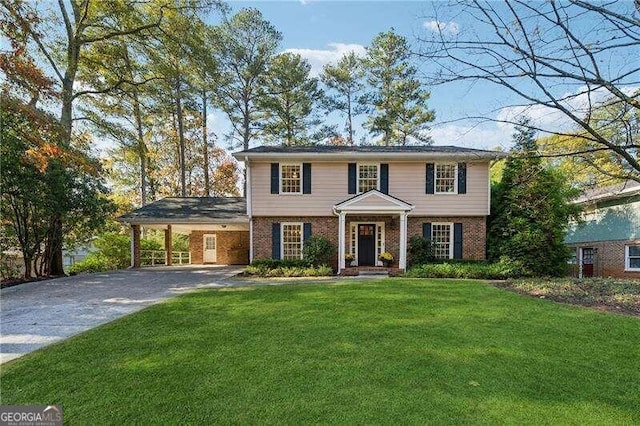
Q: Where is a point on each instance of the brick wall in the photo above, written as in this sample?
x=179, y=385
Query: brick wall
x=325, y=226
x=474, y=233
x=609, y=261
x=473, y=229
x=232, y=247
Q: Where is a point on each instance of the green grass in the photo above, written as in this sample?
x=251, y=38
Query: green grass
x=391, y=351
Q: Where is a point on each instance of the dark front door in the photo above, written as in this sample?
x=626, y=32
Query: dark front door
x=366, y=245
x=587, y=262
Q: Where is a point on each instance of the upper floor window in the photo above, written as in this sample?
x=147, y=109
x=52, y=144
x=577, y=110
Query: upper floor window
x=632, y=258
x=442, y=240
x=290, y=179
x=291, y=241
x=445, y=178
x=367, y=177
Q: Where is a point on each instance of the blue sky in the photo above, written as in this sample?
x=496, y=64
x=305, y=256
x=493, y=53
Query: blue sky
x=322, y=31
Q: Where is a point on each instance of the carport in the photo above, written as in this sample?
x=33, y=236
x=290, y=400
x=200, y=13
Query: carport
x=218, y=230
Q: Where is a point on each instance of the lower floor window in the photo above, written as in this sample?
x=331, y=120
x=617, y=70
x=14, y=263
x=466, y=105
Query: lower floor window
x=441, y=239
x=632, y=255
x=292, y=241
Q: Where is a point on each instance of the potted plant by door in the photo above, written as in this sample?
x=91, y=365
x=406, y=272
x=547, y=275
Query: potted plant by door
x=348, y=259
x=386, y=258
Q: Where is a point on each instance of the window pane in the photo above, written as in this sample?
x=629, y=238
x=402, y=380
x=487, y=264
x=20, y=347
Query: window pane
x=292, y=241
x=445, y=178
x=367, y=177
x=634, y=262
x=291, y=178
x=634, y=250
x=441, y=239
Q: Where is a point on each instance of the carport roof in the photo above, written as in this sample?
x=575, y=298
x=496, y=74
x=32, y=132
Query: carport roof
x=190, y=210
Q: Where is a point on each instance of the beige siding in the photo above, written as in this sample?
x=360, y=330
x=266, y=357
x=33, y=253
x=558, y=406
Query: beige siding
x=406, y=182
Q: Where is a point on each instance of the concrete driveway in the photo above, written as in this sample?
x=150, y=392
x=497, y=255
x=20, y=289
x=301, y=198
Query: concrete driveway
x=37, y=314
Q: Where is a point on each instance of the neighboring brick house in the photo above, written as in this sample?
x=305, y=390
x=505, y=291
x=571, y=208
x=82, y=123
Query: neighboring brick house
x=607, y=244
x=367, y=200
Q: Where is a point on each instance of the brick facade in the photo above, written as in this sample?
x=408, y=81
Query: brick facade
x=609, y=261
x=473, y=231
x=232, y=247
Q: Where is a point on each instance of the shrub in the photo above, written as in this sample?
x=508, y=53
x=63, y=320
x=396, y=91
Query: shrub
x=318, y=250
x=285, y=268
x=92, y=263
x=503, y=269
x=420, y=251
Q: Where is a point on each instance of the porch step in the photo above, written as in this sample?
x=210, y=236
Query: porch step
x=373, y=273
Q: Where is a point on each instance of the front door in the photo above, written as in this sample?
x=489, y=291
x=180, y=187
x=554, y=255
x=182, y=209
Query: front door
x=366, y=245
x=209, y=248
x=587, y=262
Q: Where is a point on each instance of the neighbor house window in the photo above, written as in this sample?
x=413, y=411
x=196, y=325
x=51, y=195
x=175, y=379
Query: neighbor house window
x=367, y=177
x=290, y=179
x=291, y=241
x=441, y=238
x=445, y=178
x=632, y=258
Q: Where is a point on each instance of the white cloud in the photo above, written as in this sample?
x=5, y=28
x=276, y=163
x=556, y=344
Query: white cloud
x=553, y=120
x=318, y=58
x=482, y=136
x=450, y=27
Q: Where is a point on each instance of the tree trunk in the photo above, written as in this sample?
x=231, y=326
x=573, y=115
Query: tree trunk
x=183, y=175
x=350, y=119
x=205, y=145
x=246, y=138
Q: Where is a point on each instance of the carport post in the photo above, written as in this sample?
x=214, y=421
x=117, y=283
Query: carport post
x=135, y=246
x=168, y=245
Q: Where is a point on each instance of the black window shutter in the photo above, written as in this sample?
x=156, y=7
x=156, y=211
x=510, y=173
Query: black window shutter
x=352, y=178
x=275, y=240
x=384, y=178
x=430, y=178
x=275, y=178
x=306, y=178
x=457, y=241
x=426, y=230
x=462, y=178
x=306, y=231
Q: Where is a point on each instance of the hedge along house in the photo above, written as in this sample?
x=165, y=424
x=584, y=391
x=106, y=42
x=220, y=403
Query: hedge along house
x=367, y=200
x=607, y=244
x=218, y=228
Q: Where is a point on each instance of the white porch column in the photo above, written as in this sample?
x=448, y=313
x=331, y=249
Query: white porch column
x=341, y=232
x=402, y=262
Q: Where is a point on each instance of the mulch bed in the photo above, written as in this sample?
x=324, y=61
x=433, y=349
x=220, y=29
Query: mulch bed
x=604, y=294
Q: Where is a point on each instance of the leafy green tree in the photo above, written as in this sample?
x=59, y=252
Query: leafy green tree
x=290, y=97
x=345, y=82
x=397, y=103
x=531, y=208
x=245, y=46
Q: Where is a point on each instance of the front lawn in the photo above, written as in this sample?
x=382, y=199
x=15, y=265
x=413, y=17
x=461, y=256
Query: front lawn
x=383, y=352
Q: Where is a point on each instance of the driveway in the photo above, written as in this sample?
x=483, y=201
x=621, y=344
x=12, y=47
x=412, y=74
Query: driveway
x=37, y=314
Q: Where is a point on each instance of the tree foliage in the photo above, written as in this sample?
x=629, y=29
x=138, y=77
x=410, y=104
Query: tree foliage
x=530, y=210
x=572, y=59
x=288, y=101
x=397, y=101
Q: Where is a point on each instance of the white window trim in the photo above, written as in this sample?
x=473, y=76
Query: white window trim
x=450, y=224
x=355, y=246
x=358, y=176
x=455, y=179
x=282, y=224
x=627, y=259
x=281, y=192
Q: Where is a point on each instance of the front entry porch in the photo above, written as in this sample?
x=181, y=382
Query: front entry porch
x=369, y=225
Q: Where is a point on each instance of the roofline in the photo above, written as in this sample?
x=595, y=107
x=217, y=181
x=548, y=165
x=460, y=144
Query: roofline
x=346, y=155
x=141, y=221
x=627, y=192
x=344, y=205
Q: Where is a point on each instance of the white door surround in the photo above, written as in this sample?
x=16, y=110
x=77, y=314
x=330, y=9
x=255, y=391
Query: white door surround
x=209, y=248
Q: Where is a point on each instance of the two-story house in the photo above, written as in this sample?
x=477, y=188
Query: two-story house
x=367, y=200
